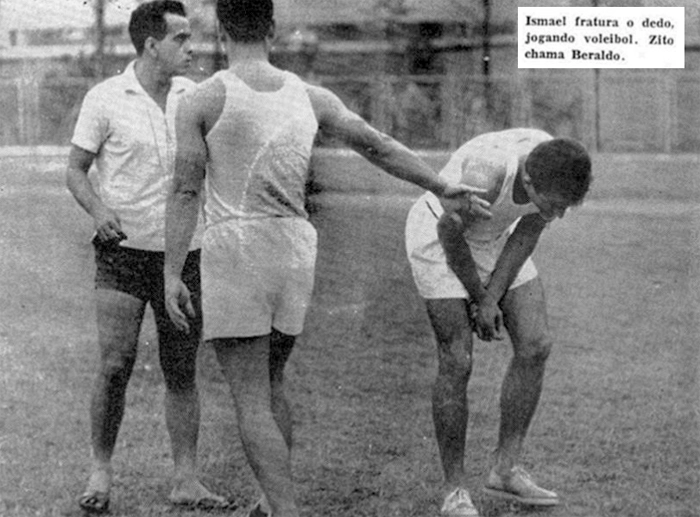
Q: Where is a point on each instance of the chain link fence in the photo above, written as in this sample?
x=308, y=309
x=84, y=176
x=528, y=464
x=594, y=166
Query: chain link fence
x=613, y=112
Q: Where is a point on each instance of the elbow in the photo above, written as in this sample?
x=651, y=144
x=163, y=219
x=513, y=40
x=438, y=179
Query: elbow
x=450, y=235
x=71, y=178
x=378, y=150
x=446, y=236
x=450, y=227
x=183, y=194
x=443, y=231
x=186, y=195
x=184, y=188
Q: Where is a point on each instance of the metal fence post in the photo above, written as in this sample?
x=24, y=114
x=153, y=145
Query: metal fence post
x=668, y=114
x=590, y=122
x=522, y=108
x=21, y=112
x=382, y=101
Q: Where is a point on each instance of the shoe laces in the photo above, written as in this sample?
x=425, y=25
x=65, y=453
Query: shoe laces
x=522, y=474
x=461, y=497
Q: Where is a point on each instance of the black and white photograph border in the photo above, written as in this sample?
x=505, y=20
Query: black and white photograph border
x=616, y=431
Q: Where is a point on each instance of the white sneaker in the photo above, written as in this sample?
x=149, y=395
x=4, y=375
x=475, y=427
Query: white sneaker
x=518, y=486
x=260, y=509
x=459, y=504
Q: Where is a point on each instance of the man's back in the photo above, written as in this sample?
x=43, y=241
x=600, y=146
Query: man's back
x=259, y=147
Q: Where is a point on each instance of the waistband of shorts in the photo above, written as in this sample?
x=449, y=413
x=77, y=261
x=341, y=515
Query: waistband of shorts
x=136, y=252
x=236, y=219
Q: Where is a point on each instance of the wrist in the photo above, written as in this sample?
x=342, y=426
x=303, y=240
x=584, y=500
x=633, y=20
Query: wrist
x=485, y=297
x=170, y=275
x=441, y=187
x=493, y=295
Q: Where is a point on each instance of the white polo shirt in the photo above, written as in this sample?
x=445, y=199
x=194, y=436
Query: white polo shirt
x=134, y=141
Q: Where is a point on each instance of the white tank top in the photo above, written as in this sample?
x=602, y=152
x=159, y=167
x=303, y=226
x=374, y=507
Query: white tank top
x=259, y=151
x=490, y=152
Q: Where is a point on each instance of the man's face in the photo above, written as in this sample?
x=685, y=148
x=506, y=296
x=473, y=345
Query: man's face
x=175, y=49
x=551, y=205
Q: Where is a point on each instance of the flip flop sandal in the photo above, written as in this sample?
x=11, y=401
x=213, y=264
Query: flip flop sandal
x=94, y=502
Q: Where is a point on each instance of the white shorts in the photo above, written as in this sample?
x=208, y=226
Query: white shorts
x=433, y=277
x=257, y=274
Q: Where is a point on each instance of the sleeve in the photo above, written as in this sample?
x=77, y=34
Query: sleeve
x=92, y=126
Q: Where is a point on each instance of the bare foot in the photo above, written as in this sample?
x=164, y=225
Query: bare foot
x=95, y=499
x=100, y=480
x=191, y=492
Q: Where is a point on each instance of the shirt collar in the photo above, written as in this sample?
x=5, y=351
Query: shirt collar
x=132, y=84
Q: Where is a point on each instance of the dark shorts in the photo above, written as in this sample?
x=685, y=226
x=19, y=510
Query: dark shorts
x=139, y=273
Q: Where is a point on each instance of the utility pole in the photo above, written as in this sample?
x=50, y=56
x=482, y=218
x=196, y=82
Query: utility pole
x=596, y=93
x=99, y=56
x=486, y=54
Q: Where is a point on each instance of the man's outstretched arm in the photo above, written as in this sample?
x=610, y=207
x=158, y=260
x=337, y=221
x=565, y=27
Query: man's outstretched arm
x=388, y=154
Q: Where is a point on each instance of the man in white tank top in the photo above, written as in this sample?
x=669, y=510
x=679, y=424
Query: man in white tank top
x=477, y=275
x=252, y=128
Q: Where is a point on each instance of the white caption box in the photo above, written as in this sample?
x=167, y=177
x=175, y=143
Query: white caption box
x=601, y=37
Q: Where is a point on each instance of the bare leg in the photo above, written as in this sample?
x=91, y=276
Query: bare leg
x=450, y=408
x=182, y=420
x=525, y=318
x=178, y=358
x=119, y=318
x=281, y=346
x=246, y=366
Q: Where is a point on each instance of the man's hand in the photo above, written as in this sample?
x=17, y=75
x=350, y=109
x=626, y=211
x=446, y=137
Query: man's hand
x=466, y=199
x=178, y=303
x=488, y=319
x=108, y=226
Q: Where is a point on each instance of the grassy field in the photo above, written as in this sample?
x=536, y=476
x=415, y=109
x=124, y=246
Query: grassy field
x=616, y=433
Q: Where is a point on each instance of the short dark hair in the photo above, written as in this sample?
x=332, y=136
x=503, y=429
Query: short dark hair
x=560, y=166
x=246, y=21
x=148, y=21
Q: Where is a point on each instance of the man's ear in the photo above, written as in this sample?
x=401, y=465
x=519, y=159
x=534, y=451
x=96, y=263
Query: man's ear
x=220, y=33
x=149, y=46
x=271, y=31
x=221, y=37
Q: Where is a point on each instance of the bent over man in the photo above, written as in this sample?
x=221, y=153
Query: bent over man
x=477, y=276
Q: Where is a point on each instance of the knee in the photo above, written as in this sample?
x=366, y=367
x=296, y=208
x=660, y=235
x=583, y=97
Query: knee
x=179, y=379
x=454, y=362
x=178, y=362
x=536, y=350
x=117, y=368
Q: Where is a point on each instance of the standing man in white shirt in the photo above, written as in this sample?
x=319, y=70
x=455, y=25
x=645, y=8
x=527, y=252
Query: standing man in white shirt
x=126, y=128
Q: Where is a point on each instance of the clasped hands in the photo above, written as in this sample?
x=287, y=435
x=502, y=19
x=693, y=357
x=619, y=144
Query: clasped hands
x=486, y=318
